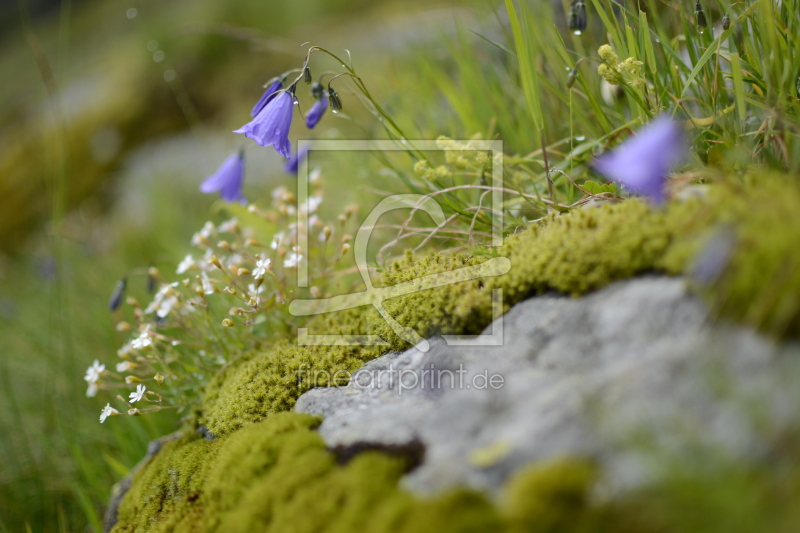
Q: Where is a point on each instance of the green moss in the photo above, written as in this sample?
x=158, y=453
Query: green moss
x=277, y=475
x=574, y=253
x=273, y=473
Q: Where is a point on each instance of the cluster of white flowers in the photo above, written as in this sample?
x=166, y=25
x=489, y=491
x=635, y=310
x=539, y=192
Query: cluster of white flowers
x=232, y=265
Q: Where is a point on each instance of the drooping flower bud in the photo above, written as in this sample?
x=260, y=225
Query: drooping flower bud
x=577, y=17
x=700, y=18
x=307, y=75
x=726, y=22
x=152, y=277
x=334, y=100
x=317, y=90
x=572, y=78
x=119, y=293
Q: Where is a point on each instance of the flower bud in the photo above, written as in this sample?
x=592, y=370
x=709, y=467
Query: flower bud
x=116, y=297
x=572, y=78
x=700, y=18
x=726, y=22
x=214, y=261
x=335, y=101
x=159, y=379
x=132, y=379
x=317, y=90
x=124, y=326
x=577, y=17
x=327, y=231
x=345, y=248
x=307, y=75
x=134, y=412
x=228, y=323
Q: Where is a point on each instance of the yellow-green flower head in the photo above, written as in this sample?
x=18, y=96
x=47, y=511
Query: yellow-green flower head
x=608, y=55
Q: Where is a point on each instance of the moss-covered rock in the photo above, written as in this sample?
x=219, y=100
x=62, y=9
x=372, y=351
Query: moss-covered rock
x=269, y=470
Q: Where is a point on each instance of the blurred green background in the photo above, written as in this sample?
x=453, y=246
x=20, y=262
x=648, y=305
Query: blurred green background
x=111, y=114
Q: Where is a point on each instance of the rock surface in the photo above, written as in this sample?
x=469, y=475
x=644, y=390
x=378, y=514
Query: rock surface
x=639, y=361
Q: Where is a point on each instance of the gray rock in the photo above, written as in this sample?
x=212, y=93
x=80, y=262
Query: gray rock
x=592, y=376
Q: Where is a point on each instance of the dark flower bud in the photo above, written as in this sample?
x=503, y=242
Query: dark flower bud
x=117, y=295
x=151, y=279
x=335, y=101
x=726, y=22
x=573, y=76
x=307, y=75
x=577, y=17
x=317, y=90
x=700, y=18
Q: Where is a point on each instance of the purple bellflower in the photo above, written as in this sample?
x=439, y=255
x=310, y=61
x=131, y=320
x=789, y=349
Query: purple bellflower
x=271, y=126
x=316, y=111
x=227, y=180
x=268, y=95
x=641, y=163
x=293, y=163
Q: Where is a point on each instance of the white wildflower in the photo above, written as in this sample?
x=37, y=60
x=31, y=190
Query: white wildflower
x=262, y=265
x=125, y=350
x=229, y=226
x=94, y=371
x=143, y=340
x=187, y=264
x=91, y=391
x=201, y=237
x=277, y=240
x=125, y=366
x=313, y=203
x=235, y=260
x=106, y=412
x=254, y=293
x=136, y=396
x=208, y=287
x=164, y=301
x=292, y=260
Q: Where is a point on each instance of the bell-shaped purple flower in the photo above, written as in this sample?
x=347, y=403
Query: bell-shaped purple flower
x=294, y=162
x=271, y=126
x=316, y=111
x=227, y=180
x=641, y=163
x=268, y=95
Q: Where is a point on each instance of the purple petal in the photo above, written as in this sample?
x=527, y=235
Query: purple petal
x=268, y=95
x=228, y=179
x=271, y=126
x=316, y=111
x=294, y=162
x=641, y=163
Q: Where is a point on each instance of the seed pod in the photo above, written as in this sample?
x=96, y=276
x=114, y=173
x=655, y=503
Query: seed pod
x=700, y=18
x=119, y=293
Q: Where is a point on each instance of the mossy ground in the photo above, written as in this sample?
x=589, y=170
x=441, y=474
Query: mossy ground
x=268, y=470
